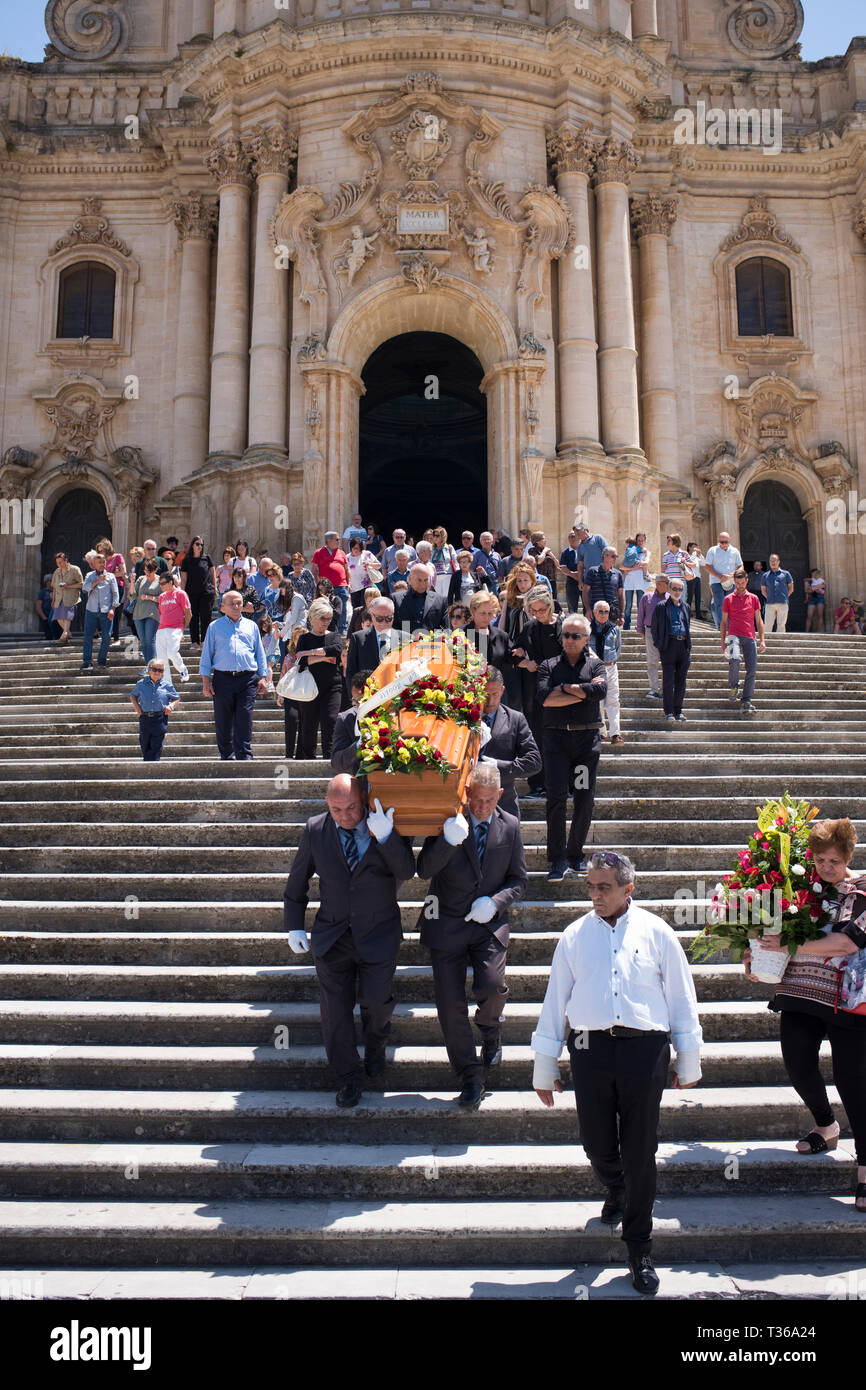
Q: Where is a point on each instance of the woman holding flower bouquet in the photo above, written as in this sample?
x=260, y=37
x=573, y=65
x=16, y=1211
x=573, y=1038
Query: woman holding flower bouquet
x=823, y=994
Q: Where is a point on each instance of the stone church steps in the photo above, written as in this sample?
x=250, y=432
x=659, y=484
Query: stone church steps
x=395, y=1171
x=182, y=1051
x=437, y=1232
x=424, y=1116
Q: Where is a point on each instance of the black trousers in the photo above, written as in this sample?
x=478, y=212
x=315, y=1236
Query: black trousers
x=344, y=979
x=693, y=589
x=152, y=730
x=618, y=1085
x=291, y=718
x=675, y=668
x=319, y=713
x=199, y=619
x=233, y=701
x=801, y=1035
x=486, y=956
x=565, y=756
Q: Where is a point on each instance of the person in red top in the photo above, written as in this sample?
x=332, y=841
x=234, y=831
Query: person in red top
x=741, y=617
x=174, y=613
x=330, y=562
x=845, y=619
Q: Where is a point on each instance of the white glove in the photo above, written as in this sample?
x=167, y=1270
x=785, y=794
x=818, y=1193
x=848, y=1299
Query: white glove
x=482, y=910
x=299, y=942
x=491, y=762
x=455, y=829
x=486, y=733
x=380, y=823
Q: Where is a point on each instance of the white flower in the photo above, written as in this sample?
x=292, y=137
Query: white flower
x=797, y=869
x=793, y=908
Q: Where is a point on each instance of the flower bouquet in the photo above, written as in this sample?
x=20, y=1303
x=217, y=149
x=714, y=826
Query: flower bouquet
x=773, y=890
x=384, y=748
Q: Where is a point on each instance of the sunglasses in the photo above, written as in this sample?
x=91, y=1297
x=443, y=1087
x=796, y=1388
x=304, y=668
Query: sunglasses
x=574, y=636
x=607, y=857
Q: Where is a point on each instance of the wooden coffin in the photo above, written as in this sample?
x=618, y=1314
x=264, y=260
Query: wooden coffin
x=423, y=803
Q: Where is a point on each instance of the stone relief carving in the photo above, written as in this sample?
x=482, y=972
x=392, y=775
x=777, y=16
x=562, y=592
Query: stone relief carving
x=759, y=224
x=81, y=410
x=91, y=229
x=87, y=30
x=272, y=151
x=481, y=250
x=421, y=143
x=571, y=149
x=194, y=216
x=771, y=416
x=132, y=475
x=353, y=252
x=860, y=221
x=764, y=28
x=313, y=349
x=420, y=272
x=615, y=161
x=654, y=215
x=17, y=467
x=229, y=160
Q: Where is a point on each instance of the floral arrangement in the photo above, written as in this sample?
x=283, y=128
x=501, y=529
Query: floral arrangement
x=773, y=889
x=383, y=748
x=460, y=700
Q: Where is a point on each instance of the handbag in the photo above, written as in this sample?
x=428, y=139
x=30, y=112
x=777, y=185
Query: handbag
x=297, y=685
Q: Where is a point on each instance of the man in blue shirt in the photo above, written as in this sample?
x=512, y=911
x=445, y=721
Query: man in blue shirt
x=233, y=668
x=590, y=552
x=569, y=566
x=604, y=581
x=486, y=561
x=777, y=588
x=102, y=599
x=357, y=528
x=258, y=580
x=671, y=633
x=153, y=698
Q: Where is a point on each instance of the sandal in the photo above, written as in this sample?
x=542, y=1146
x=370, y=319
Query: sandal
x=860, y=1197
x=818, y=1144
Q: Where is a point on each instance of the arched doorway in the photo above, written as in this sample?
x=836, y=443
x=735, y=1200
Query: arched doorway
x=78, y=520
x=773, y=523
x=422, y=454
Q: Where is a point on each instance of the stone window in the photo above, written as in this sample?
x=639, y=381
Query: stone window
x=764, y=298
x=85, y=304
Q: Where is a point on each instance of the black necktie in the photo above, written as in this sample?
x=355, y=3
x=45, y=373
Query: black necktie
x=481, y=830
x=350, y=847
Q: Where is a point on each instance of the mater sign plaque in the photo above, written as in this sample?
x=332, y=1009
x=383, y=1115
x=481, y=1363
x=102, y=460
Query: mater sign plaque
x=418, y=218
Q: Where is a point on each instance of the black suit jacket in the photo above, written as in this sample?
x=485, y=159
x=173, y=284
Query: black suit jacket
x=344, y=744
x=661, y=631
x=363, y=653
x=435, y=613
x=363, y=902
x=514, y=751
x=457, y=879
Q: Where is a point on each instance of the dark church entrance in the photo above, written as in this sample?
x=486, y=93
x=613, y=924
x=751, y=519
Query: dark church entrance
x=772, y=523
x=422, y=458
x=78, y=521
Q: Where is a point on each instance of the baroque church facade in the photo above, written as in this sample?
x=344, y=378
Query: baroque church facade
x=472, y=262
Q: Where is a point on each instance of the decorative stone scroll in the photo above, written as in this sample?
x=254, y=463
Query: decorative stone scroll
x=87, y=30
x=759, y=224
x=764, y=28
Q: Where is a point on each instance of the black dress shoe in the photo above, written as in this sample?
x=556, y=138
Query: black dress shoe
x=375, y=1061
x=349, y=1095
x=472, y=1095
x=643, y=1274
x=612, y=1211
x=491, y=1051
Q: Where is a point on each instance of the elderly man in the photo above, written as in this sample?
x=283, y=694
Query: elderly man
x=619, y=985
x=233, y=669
x=569, y=565
x=590, y=551
x=389, y=559
x=511, y=746
x=474, y=879
x=355, y=528
x=149, y=549
x=605, y=582
x=356, y=935
x=607, y=642
x=570, y=689
x=720, y=563
x=102, y=599
x=330, y=562
x=401, y=571
x=367, y=649
x=643, y=627
x=420, y=608
x=485, y=562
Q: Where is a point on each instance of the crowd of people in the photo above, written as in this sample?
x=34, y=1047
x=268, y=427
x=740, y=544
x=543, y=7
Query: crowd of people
x=620, y=994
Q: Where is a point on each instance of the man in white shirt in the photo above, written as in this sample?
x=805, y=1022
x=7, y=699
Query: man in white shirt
x=720, y=562
x=619, y=984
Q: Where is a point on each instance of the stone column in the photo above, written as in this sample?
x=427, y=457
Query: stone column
x=653, y=219
x=228, y=161
x=202, y=18
x=273, y=153
x=644, y=19
x=616, y=161
x=195, y=220
x=571, y=152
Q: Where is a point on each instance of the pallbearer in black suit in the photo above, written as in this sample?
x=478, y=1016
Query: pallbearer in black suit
x=344, y=745
x=477, y=870
x=511, y=746
x=360, y=860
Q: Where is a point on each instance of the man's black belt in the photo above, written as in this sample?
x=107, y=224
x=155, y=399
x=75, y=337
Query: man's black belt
x=219, y=670
x=572, y=728
x=619, y=1031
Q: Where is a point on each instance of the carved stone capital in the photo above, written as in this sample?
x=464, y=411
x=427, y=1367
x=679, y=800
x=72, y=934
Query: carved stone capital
x=654, y=215
x=194, y=216
x=312, y=349
x=229, y=161
x=273, y=151
x=571, y=149
x=530, y=347
x=615, y=161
